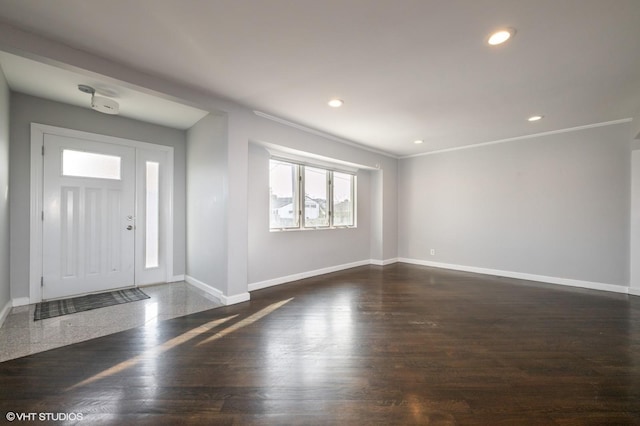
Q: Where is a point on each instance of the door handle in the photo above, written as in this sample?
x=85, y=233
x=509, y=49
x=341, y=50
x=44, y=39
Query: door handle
x=129, y=228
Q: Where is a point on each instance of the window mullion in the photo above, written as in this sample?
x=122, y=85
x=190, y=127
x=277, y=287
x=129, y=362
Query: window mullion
x=330, y=197
x=301, y=192
x=296, y=197
x=353, y=200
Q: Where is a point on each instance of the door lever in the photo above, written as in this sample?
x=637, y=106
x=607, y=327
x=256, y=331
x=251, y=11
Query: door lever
x=129, y=228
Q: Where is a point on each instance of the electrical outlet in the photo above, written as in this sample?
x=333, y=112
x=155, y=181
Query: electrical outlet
x=433, y=252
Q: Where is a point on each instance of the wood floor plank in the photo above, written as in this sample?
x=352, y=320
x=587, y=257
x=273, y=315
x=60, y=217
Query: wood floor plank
x=400, y=344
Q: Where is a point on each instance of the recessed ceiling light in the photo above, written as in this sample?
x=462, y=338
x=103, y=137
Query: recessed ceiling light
x=535, y=118
x=336, y=103
x=418, y=141
x=501, y=36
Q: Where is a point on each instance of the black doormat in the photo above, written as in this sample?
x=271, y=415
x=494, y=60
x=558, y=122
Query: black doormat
x=56, y=308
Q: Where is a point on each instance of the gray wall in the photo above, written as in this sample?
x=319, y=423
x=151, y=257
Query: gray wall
x=238, y=125
x=274, y=255
x=635, y=221
x=382, y=199
x=27, y=109
x=5, y=289
x=279, y=254
x=207, y=202
x=223, y=166
x=554, y=205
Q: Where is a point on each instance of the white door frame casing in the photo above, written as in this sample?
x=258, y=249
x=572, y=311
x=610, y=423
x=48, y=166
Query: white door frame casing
x=36, y=192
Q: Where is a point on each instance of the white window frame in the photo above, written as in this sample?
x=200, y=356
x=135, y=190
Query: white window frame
x=295, y=199
x=303, y=198
x=352, y=196
x=300, y=197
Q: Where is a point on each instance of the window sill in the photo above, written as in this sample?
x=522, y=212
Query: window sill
x=324, y=228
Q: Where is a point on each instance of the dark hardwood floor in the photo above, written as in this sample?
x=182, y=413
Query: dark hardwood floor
x=399, y=344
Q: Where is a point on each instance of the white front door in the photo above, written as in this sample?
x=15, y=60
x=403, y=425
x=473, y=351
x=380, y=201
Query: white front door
x=88, y=216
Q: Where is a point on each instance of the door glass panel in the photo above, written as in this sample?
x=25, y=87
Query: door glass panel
x=90, y=165
x=152, y=211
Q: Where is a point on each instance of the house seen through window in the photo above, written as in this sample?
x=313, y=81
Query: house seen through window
x=310, y=197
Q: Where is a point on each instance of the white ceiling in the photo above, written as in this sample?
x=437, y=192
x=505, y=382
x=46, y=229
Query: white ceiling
x=406, y=69
x=49, y=82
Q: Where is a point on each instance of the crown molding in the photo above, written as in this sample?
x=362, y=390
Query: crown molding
x=519, y=138
x=323, y=134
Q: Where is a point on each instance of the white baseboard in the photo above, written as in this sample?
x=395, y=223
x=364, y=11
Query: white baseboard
x=204, y=287
x=243, y=297
x=302, y=275
x=20, y=301
x=225, y=300
x=237, y=298
x=634, y=291
x=384, y=262
x=522, y=276
x=176, y=278
x=4, y=313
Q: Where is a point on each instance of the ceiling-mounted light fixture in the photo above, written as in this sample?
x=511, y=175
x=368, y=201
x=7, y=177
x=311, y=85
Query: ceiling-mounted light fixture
x=418, y=141
x=336, y=103
x=500, y=36
x=100, y=103
x=535, y=118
